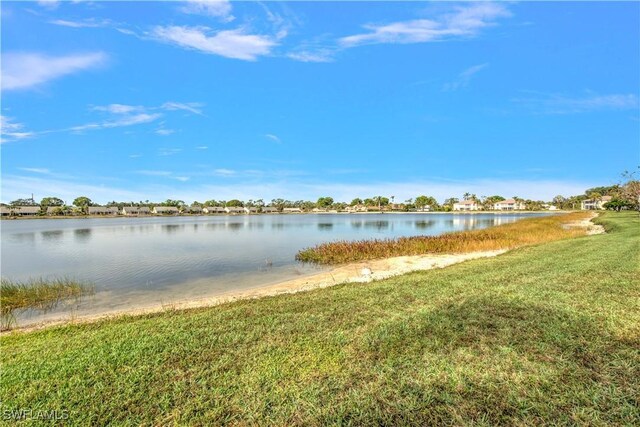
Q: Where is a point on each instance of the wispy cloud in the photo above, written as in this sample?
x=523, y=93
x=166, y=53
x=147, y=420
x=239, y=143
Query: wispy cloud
x=216, y=8
x=224, y=172
x=42, y=171
x=164, y=132
x=273, y=138
x=153, y=173
x=464, y=78
x=27, y=70
x=119, y=108
x=464, y=21
x=10, y=130
x=85, y=23
x=169, y=151
x=202, y=147
x=236, y=44
x=313, y=55
x=49, y=4
x=591, y=102
x=192, y=107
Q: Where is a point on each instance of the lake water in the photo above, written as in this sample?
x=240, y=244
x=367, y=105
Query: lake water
x=144, y=261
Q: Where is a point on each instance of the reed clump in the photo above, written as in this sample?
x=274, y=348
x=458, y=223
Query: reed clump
x=508, y=236
x=36, y=294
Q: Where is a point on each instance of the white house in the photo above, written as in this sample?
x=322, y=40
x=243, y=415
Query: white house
x=466, y=205
x=269, y=210
x=356, y=208
x=252, y=210
x=24, y=210
x=135, y=210
x=213, y=210
x=592, y=204
x=234, y=210
x=166, y=210
x=291, y=210
x=103, y=210
x=509, y=205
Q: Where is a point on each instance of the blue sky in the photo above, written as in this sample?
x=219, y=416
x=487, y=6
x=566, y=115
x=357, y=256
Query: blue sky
x=216, y=100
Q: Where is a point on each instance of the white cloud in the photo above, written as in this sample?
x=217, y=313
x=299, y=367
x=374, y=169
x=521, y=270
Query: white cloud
x=153, y=173
x=11, y=130
x=224, y=172
x=464, y=78
x=273, y=138
x=201, y=147
x=464, y=21
x=164, y=132
x=563, y=104
x=181, y=178
x=49, y=4
x=119, y=108
x=193, y=107
x=216, y=8
x=26, y=70
x=235, y=44
x=43, y=171
x=87, y=23
x=310, y=55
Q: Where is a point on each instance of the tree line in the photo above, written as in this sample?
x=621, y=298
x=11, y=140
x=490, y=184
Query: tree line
x=625, y=195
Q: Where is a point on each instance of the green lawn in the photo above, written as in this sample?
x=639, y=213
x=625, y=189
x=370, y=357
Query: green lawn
x=544, y=334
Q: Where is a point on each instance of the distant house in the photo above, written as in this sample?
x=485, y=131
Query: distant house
x=356, y=208
x=25, y=210
x=269, y=210
x=213, y=209
x=291, y=210
x=549, y=207
x=466, y=205
x=252, y=210
x=591, y=204
x=166, y=210
x=5, y=211
x=509, y=205
x=194, y=210
x=135, y=210
x=319, y=210
x=103, y=210
x=234, y=210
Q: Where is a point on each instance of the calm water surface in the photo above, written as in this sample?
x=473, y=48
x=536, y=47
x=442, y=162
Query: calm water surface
x=144, y=261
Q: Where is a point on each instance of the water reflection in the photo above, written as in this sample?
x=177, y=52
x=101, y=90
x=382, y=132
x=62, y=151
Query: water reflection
x=378, y=225
x=325, y=226
x=52, y=235
x=424, y=224
x=82, y=235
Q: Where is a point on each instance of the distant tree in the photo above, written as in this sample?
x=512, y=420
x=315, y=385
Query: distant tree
x=169, y=202
x=466, y=196
x=630, y=189
x=422, y=201
x=83, y=203
x=23, y=202
x=196, y=203
x=324, y=202
x=356, y=201
x=618, y=205
x=235, y=203
x=559, y=201
x=51, y=201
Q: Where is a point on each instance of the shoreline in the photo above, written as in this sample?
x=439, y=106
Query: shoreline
x=358, y=272
x=67, y=217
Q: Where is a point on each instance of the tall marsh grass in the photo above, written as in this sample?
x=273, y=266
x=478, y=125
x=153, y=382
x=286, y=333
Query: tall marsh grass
x=36, y=294
x=508, y=236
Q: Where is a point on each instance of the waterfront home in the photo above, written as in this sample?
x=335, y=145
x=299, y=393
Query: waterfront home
x=356, y=208
x=135, y=210
x=319, y=210
x=269, y=210
x=509, y=205
x=197, y=210
x=213, y=210
x=234, y=210
x=549, y=207
x=291, y=210
x=466, y=205
x=5, y=211
x=166, y=210
x=594, y=204
x=252, y=210
x=25, y=210
x=103, y=210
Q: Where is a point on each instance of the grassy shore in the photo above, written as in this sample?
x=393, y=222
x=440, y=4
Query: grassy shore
x=545, y=334
x=521, y=233
x=36, y=294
